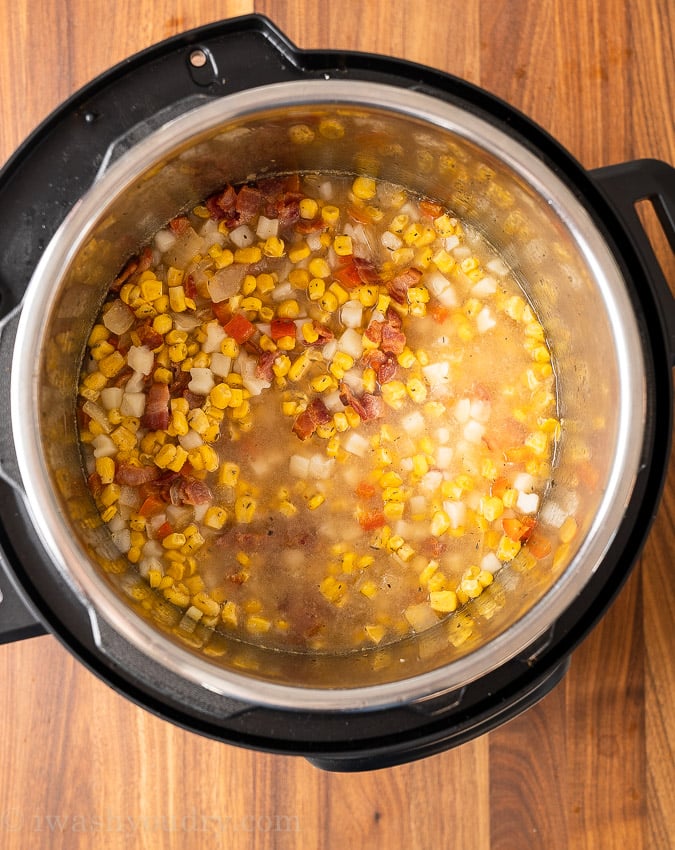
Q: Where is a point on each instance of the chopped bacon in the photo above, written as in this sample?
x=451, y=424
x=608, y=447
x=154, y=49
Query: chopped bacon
x=193, y=399
x=95, y=484
x=315, y=414
x=307, y=226
x=149, y=336
x=248, y=203
x=398, y=286
x=222, y=204
x=156, y=416
x=384, y=364
x=136, y=265
x=374, y=331
x=133, y=476
x=190, y=287
x=186, y=490
x=324, y=335
x=179, y=225
x=288, y=209
x=367, y=405
x=393, y=340
x=264, y=366
x=367, y=270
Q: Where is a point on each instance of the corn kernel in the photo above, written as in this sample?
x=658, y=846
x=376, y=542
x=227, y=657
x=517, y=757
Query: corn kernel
x=298, y=252
x=309, y=209
x=440, y=523
x=443, y=601
x=417, y=390
x=244, y=509
x=394, y=394
x=105, y=467
x=342, y=245
x=364, y=188
x=330, y=214
x=318, y=267
x=340, y=293
x=289, y=309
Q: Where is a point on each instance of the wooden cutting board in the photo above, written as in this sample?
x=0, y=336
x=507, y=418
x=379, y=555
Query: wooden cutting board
x=592, y=765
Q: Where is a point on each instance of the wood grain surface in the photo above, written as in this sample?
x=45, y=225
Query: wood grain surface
x=591, y=766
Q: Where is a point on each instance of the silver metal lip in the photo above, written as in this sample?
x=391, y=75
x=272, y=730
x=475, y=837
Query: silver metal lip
x=44, y=508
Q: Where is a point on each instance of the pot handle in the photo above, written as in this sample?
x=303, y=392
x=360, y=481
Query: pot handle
x=17, y=620
x=624, y=185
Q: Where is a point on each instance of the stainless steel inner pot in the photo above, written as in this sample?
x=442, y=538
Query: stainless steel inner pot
x=432, y=147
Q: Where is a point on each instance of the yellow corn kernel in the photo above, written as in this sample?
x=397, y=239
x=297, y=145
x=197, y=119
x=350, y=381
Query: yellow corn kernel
x=369, y=380
x=394, y=394
x=273, y=246
x=353, y=418
x=248, y=285
x=341, y=363
x=287, y=508
x=99, y=333
x=174, y=277
x=244, y=509
x=309, y=209
x=420, y=465
x=299, y=367
x=443, y=601
x=491, y=507
x=364, y=188
x=417, y=390
x=112, y=364
x=95, y=381
x=368, y=589
x=330, y=214
x=342, y=245
x=315, y=500
x=331, y=589
x=315, y=289
x=322, y=383
x=228, y=474
x=175, y=540
x=178, y=352
x=220, y=396
x=507, y=548
x=568, y=529
x=426, y=574
x=124, y=439
x=538, y=442
x=440, y=523
x=251, y=303
x=368, y=295
x=151, y=289
x=110, y=494
x=340, y=293
x=318, y=267
x=105, y=467
x=101, y=349
x=298, y=252
x=289, y=309
x=251, y=254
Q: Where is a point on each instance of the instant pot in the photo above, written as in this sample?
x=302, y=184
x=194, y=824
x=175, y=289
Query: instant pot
x=217, y=105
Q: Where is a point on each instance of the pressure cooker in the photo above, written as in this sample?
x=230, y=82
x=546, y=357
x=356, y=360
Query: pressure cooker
x=165, y=129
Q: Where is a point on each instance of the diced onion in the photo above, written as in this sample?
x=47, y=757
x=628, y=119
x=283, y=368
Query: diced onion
x=320, y=467
x=141, y=359
x=390, y=241
x=215, y=334
x=356, y=444
x=420, y=616
x=497, y=267
x=351, y=314
x=226, y=282
x=122, y=539
x=299, y=466
x=351, y=342
x=480, y=410
x=221, y=364
x=473, y=431
x=413, y=423
x=462, y=410
x=111, y=397
x=267, y=227
x=485, y=321
x=97, y=414
x=135, y=384
x=104, y=446
x=202, y=381
x=164, y=239
x=242, y=236
x=456, y=512
x=133, y=404
x=444, y=455
x=527, y=503
x=485, y=286
x=491, y=563
x=118, y=318
x=437, y=374
x=191, y=440
x=524, y=482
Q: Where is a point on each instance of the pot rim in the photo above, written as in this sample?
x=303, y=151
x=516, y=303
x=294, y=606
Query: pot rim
x=92, y=590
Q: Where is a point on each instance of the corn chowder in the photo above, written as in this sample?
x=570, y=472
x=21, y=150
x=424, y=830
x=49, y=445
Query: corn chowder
x=318, y=413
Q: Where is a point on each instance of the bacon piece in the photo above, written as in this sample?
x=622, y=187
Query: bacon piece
x=374, y=331
x=133, y=476
x=156, y=416
x=398, y=286
x=149, y=336
x=265, y=364
x=222, y=204
x=367, y=270
x=248, y=203
x=393, y=340
x=136, y=265
x=95, y=484
x=367, y=405
x=324, y=335
x=288, y=209
x=179, y=225
x=186, y=490
x=316, y=413
x=384, y=364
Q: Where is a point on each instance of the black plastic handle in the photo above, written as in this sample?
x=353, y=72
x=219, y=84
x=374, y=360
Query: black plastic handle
x=624, y=186
x=17, y=620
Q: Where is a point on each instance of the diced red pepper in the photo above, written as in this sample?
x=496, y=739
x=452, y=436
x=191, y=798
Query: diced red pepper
x=538, y=545
x=239, y=328
x=433, y=210
x=222, y=311
x=281, y=328
x=518, y=529
x=370, y=520
x=365, y=490
x=164, y=530
x=348, y=275
x=439, y=313
x=151, y=506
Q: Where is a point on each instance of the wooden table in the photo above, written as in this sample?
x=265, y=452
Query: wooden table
x=589, y=767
